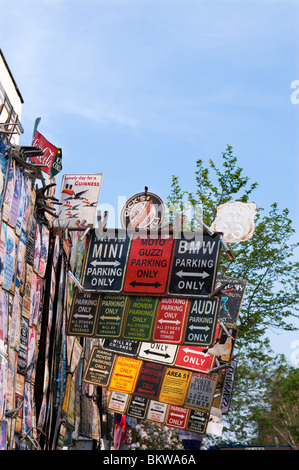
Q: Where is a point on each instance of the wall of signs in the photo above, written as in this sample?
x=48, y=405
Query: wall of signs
x=95, y=323
x=158, y=303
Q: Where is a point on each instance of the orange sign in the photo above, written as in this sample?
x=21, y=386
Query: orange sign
x=124, y=375
x=175, y=386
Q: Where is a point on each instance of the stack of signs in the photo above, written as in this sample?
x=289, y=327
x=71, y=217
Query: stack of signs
x=139, y=264
x=24, y=248
x=158, y=316
x=79, y=198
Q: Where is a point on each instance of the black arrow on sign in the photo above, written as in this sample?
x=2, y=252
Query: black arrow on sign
x=154, y=284
x=148, y=351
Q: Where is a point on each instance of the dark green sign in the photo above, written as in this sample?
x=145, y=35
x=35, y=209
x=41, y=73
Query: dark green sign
x=111, y=315
x=140, y=318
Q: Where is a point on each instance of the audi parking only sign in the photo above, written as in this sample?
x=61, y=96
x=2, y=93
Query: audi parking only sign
x=201, y=323
x=106, y=261
x=194, y=265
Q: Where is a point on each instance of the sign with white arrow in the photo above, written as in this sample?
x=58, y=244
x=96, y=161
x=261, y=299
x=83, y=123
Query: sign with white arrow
x=158, y=352
x=99, y=367
x=170, y=320
x=201, y=322
x=194, y=358
x=177, y=417
x=106, y=261
x=194, y=265
x=156, y=412
x=111, y=314
x=197, y=421
x=125, y=374
x=83, y=313
x=137, y=407
x=118, y=402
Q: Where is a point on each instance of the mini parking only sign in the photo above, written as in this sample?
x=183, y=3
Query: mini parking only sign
x=106, y=261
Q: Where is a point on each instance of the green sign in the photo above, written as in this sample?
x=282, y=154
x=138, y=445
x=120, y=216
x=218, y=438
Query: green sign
x=140, y=318
x=111, y=314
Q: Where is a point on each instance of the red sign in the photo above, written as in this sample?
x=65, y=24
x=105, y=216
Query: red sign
x=148, y=264
x=150, y=379
x=193, y=358
x=50, y=153
x=170, y=321
x=177, y=417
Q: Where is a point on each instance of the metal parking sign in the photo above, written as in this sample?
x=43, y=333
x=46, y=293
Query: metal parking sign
x=149, y=380
x=201, y=322
x=194, y=358
x=125, y=374
x=106, y=261
x=194, y=266
x=158, y=352
x=83, y=313
x=118, y=402
x=111, y=314
x=197, y=421
x=170, y=320
x=177, y=417
x=148, y=264
x=137, y=407
x=156, y=412
x=99, y=367
x=140, y=318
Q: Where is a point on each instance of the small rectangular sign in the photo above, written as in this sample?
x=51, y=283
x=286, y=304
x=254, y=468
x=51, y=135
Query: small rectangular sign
x=111, y=315
x=201, y=322
x=79, y=197
x=83, y=313
x=99, y=367
x=170, y=320
x=231, y=299
x=158, y=352
x=140, y=318
x=118, y=402
x=174, y=387
x=121, y=346
x=125, y=374
x=194, y=358
x=197, y=421
x=201, y=391
x=149, y=380
x=177, y=417
x=148, y=265
x=137, y=407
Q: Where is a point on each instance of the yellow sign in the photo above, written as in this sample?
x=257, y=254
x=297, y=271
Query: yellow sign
x=124, y=375
x=175, y=386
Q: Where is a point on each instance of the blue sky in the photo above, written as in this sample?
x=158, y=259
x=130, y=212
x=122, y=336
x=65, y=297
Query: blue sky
x=140, y=89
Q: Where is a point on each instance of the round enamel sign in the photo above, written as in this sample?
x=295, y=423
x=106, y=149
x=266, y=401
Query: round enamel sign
x=142, y=211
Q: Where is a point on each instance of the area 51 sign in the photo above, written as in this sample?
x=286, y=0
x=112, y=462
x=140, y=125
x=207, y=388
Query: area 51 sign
x=194, y=266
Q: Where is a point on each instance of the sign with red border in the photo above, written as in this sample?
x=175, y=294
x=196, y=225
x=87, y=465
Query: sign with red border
x=148, y=264
x=177, y=417
x=170, y=320
x=194, y=358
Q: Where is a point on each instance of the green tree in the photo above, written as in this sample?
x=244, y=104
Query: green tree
x=266, y=260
